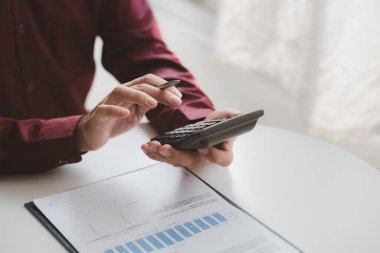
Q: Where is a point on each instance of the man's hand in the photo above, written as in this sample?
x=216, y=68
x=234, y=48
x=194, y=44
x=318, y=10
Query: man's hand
x=122, y=109
x=222, y=155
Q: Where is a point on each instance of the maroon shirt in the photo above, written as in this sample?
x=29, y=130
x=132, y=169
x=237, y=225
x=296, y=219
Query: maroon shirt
x=47, y=68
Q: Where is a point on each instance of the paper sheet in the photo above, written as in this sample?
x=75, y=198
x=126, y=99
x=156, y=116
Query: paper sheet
x=156, y=209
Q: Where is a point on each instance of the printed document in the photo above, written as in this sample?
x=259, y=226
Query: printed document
x=156, y=209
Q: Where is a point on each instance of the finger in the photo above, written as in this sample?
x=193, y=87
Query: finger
x=156, y=156
x=204, y=151
x=154, y=146
x=220, y=157
x=175, y=91
x=122, y=95
x=162, y=96
x=168, y=154
x=188, y=159
x=153, y=80
x=224, y=114
x=226, y=145
x=230, y=113
x=148, y=78
x=153, y=150
x=221, y=154
x=145, y=148
x=104, y=113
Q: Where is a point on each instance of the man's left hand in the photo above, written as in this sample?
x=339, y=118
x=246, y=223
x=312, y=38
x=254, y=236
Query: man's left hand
x=223, y=155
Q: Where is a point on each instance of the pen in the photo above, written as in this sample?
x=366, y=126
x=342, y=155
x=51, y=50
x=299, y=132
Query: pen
x=168, y=84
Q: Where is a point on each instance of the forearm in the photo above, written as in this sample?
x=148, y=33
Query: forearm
x=133, y=47
x=34, y=145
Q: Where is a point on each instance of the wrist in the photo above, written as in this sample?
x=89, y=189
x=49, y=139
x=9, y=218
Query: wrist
x=89, y=135
x=80, y=135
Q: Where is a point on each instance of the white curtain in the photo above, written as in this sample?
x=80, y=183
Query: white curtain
x=325, y=53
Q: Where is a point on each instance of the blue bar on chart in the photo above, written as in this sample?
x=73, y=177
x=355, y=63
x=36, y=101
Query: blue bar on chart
x=144, y=245
x=219, y=217
x=133, y=247
x=210, y=220
x=170, y=236
x=174, y=234
x=202, y=224
x=164, y=238
x=121, y=249
x=183, y=231
x=155, y=242
x=192, y=227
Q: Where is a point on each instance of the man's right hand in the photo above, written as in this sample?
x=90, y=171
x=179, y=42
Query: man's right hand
x=122, y=109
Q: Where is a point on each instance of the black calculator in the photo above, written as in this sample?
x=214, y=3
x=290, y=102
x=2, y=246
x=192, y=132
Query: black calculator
x=208, y=133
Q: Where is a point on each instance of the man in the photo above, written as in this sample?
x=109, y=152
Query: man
x=46, y=70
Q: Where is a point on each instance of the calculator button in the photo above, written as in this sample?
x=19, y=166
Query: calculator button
x=178, y=134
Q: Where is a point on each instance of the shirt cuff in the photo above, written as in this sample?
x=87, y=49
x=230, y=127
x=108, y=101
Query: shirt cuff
x=46, y=144
x=58, y=141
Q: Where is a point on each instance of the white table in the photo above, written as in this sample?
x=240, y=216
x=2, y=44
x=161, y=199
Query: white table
x=319, y=197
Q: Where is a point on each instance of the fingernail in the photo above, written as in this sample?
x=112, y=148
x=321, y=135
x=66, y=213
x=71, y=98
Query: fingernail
x=144, y=149
x=175, y=100
x=165, y=152
x=154, y=149
x=151, y=102
x=178, y=93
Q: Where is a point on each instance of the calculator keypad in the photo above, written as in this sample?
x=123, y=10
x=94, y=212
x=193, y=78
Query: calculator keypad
x=180, y=133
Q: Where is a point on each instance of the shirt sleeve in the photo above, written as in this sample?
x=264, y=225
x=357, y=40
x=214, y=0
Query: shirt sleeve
x=36, y=145
x=133, y=46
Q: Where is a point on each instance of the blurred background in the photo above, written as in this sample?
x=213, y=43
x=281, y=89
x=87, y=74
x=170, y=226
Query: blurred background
x=313, y=66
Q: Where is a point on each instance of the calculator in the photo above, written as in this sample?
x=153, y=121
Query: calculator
x=207, y=133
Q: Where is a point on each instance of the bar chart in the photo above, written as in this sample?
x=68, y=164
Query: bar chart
x=170, y=236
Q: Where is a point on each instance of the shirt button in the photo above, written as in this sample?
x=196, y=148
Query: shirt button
x=21, y=28
x=62, y=162
x=30, y=86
